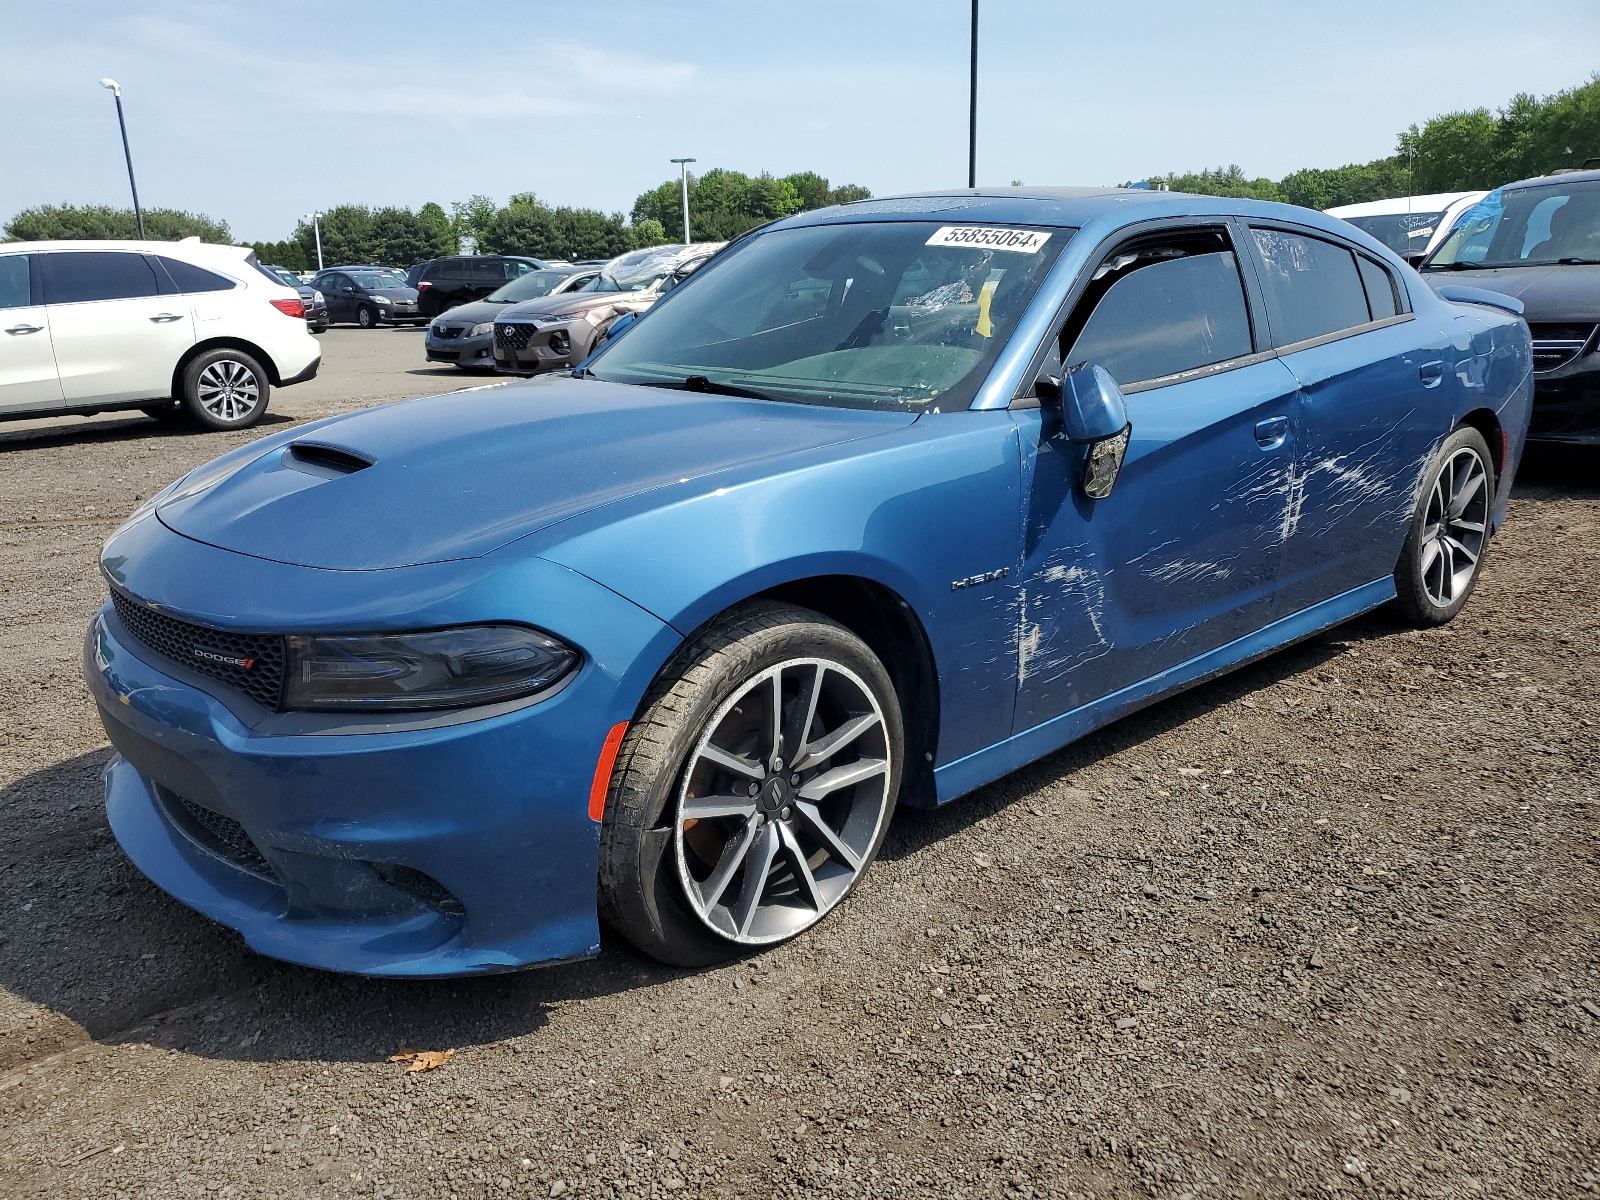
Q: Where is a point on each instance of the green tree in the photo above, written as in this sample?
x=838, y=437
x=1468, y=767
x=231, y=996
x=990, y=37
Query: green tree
x=101, y=221
x=440, y=228
x=527, y=226
x=288, y=254
x=723, y=204
x=472, y=218
x=1222, y=181
x=646, y=233
x=1456, y=152
x=392, y=237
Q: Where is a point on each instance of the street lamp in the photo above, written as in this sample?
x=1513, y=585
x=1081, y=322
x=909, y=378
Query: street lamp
x=972, y=118
x=138, y=213
x=316, y=231
x=684, y=163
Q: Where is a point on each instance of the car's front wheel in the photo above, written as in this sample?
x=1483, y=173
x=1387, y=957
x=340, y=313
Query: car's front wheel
x=366, y=316
x=225, y=389
x=1449, y=535
x=755, y=789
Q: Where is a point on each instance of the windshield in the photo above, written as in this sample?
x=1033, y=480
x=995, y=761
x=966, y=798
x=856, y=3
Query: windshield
x=530, y=286
x=905, y=315
x=1401, y=232
x=377, y=280
x=1518, y=227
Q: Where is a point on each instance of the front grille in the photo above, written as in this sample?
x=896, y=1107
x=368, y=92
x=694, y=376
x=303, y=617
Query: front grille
x=512, y=337
x=1555, y=345
x=446, y=332
x=217, y=835
x=209, y=651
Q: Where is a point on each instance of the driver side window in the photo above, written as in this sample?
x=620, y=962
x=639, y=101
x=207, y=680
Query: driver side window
x=1162, y=306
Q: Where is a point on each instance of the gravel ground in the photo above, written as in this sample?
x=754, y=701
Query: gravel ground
x=1325, y=927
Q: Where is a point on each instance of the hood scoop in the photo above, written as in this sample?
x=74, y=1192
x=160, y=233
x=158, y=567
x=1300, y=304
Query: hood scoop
x=326, y=462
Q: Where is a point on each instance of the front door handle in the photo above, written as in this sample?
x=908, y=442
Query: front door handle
x=1431, y=372
x=25, y=329
x=1270, y=434
x=163, y=318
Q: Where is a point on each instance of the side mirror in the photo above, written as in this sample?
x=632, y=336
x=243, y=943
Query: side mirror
x=620, y=326
x=1093, y=415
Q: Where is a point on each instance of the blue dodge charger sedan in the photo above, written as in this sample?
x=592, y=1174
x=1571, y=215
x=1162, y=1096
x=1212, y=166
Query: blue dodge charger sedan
x=884, y=502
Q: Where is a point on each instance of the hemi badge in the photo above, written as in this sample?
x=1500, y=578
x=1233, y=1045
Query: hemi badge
x=975, y=580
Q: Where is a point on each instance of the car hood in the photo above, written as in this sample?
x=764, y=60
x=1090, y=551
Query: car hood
x=572, y=304
x=456, y=476
x=471, y=314
x=1551, y=293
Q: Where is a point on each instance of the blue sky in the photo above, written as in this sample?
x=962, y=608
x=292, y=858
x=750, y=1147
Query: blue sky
x=256, y=113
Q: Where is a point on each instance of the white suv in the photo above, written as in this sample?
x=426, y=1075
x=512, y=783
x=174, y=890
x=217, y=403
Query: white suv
x=172, y=328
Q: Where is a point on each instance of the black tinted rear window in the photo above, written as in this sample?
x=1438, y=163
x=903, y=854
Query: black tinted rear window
x=75, y=276
x=14, y=290
x=191, y=278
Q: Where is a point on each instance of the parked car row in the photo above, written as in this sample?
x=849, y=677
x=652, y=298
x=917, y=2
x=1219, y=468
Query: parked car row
x=561, y=330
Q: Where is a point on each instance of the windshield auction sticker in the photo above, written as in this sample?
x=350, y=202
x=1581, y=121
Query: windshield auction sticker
x=983, y=237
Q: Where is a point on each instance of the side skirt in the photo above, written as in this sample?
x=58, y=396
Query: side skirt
x=984, y=766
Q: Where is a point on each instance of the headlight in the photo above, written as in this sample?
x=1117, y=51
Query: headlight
x=381, y=299
x=440, y=668
x=316, y=298
x=480, y=329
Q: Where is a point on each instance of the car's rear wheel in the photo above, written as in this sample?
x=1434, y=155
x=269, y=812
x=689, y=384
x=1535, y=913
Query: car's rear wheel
x=1449, y=536
x=755, y=790
x=225, y=389
x=366, y=316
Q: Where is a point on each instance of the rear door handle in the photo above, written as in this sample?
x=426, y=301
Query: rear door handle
x=163, y=318
x=1270, y=434
x=25, y=329
x=1431, y=372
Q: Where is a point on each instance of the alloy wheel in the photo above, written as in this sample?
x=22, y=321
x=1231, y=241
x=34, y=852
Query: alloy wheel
x=782, y=801
x=228, y=390
x=1455, y=527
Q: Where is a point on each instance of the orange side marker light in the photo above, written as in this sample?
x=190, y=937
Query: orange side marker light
x=602, y=771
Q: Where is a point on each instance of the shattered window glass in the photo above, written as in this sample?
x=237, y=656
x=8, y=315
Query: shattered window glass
x=1312, y=285
x=903, y=315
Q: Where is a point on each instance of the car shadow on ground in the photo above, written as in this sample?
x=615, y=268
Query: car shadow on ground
x=84, y=935
x=115, y=427
x=1551, y=472
x=915, y=829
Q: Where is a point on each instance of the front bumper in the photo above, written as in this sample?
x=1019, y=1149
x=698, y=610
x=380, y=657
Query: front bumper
x=522, y=348
x=401, y=848
x=1566, y=407
x=463, y=351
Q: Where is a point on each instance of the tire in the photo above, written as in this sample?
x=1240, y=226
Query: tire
x=657, y=842
x=166, y=413
x=1449, y=535
x=367, y=316
x=225, y=389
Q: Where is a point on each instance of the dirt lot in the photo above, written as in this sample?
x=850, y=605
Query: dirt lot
x=1330, y=926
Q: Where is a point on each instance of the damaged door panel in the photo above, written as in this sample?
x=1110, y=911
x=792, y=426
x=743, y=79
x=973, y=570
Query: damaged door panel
x=1184, y=555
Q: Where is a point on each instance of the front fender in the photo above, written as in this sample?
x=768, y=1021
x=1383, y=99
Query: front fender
x=914, y=511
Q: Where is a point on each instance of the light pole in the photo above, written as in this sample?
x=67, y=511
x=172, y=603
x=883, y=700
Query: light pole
x=684, y=163
x=972, y=117
x=316, y=231
x=138, y=213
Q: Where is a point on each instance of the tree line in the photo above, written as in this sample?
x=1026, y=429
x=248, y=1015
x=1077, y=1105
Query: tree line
x=1456, y=152
x=722, y=204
